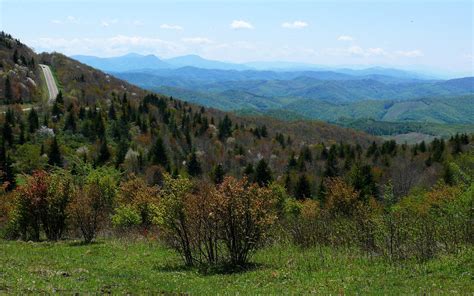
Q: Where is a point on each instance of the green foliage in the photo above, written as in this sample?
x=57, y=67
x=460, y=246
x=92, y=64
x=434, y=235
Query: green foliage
x=41, y=204
x=54, y=154
x=263, y=174
x=126, y=216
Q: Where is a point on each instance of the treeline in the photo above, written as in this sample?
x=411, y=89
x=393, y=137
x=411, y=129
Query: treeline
x=224, y=223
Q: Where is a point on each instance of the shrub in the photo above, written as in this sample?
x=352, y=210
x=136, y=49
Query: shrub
x=173, y=218
x=137, y=204
x=92, y=204
x=222, y=224
x=244, y=214
x=41, y=204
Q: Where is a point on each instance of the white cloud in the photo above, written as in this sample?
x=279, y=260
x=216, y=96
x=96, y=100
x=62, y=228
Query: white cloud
x=67, y=20
x=110, y=46
x=197, y=40
x=107, y=23
x=72, y=19
x=376, y=51
x=240, y=24
x=171, y=27
x=409, y=53
x=294, y=25
x=345, y=38
x=372, y=52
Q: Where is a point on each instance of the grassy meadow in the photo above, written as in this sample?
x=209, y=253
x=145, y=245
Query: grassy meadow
x=141, y=266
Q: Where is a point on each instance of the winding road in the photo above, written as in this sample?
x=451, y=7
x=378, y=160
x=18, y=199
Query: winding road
x=50, y=83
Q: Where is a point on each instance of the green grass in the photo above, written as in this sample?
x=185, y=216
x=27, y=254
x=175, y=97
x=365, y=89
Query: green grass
x=139, y=267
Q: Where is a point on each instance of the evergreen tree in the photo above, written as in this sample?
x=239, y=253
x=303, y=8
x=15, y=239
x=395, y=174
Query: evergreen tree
x=121, y=152
x=104, y=153
x=225, y=128
x=303, y=188
x=218, y=174
x=193, y=165
x=263, y=174
x=292, y=163
x=363, y=181
x=33, y=121
x=7, y=176
x=422, y=147
x=70, y=122
x=7, y=133
x=249, y=172
x=15, y=56
x=54, y=155
x=322, y=192
x=158, y=154
x=448, y=175
x=8, y=91
x=330, y=169
x=21, y=139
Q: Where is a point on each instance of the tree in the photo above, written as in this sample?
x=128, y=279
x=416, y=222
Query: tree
x=225, y=128
x=263, y=174
x=331, y=163
x=7, y=175
x=92, y=204
x=218, y=174
x=8, y=91
x=33, y=120
x=193, y=166
x=70, y=122
x=158, y=153
x=362, y=180
x=7, y=133
x=303, y=188
x=54, y=155
x=104, y=153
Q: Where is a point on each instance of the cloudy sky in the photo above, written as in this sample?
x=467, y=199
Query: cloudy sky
x=412, y=34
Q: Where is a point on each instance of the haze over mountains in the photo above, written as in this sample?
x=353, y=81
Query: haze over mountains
x=302, y=91
x=134, y=61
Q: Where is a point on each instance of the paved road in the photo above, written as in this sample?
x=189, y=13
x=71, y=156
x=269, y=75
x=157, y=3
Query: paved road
x=50, y=82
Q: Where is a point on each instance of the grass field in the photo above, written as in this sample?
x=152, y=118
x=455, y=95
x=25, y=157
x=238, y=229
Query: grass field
x=138, y=267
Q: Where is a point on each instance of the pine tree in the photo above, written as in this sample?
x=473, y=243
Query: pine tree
x=7, y=134
x=225, y=128
x=158, y=154
x=121, y=153
x=70, y=122
x=104, y=153
x=448, y=175
x=21, y=139
x=322, y=192
x=331, y=164
x=263, y=174
x=54, y=155
x=363, y=180
x=422, y=147
x=292, y=163
x=7, y=176
x=33, y=121
x=303, y=188
x=194, y=166
x=218, y=174
x=8, y=91
x=249, y=172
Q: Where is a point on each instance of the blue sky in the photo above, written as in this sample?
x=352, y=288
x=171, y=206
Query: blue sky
x=429, y=35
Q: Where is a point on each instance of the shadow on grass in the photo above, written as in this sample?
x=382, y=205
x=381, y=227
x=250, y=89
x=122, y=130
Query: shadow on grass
x=206, y=269
x=81, y=243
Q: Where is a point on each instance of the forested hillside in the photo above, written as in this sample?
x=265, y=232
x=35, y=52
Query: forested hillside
x=108, y=159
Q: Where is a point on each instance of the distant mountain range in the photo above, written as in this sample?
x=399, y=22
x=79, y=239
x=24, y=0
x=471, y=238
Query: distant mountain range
x=295, y=90
x=134, y=61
